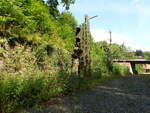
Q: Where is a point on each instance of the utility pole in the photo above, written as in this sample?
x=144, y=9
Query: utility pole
x=110, y=51
x=110, y=37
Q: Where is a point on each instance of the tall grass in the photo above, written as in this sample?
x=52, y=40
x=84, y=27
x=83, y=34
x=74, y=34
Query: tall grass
x=24, y=91
x=27, y=90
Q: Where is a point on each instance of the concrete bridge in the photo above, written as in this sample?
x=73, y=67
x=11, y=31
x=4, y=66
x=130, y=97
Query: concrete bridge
x=131, y=63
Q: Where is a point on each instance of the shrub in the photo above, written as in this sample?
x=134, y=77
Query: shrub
x=120, y=70
x=28, y=90
x=139, y=68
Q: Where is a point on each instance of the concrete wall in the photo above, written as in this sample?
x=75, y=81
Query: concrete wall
x=146, y=68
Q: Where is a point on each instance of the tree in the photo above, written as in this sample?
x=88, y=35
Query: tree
x=29, y=22
x=100, y=57
x=121, y=52
x=66, y=29
x=53, y=5
x=19, y=18
x=103, y=54
x=146, y=55
x=139, y=53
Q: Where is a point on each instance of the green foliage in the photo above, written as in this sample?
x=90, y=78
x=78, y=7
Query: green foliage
x=30, y=23
x=103, y=54
x=27, y=90
x=17, y=61
x=53, y=5
x=139, y=68
x=36, y=44
x=120, y=70
x=67, y=25
x=67, y=3
x=31, y=85
x=146, y=55
x=20, y=19
x=121, y=52
x=100, y=59
x=67, y=18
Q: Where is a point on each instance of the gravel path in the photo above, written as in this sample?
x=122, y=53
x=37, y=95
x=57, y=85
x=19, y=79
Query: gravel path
x=121, y=95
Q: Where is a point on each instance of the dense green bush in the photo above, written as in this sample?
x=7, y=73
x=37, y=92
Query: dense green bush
x=100, y=58
x=28, y=90
x=120, y=70
x=24, y=91
x=139, y=69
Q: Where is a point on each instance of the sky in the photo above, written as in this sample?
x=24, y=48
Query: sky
x=129, y=20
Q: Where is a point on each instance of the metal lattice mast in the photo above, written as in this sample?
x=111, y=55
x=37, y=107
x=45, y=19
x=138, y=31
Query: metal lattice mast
x=87, y=44
x=82, y=51
x=82, y=47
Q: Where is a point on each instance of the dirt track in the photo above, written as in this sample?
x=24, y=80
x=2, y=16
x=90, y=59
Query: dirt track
x=121, y=95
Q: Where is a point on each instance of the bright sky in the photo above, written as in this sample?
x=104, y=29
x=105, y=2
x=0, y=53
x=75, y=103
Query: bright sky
x=129, y=20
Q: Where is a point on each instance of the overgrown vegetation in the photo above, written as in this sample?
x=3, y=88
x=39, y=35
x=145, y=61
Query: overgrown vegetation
x=120, y=70
x=36, y=44
x=146, y=55
x=139, y=69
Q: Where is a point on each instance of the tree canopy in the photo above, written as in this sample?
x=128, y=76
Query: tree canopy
x=53, y=5
x=31, y=20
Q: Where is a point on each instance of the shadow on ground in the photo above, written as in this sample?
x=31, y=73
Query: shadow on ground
x=121, y=95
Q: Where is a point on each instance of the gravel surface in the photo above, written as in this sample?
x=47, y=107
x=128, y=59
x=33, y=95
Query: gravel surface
x=121, y=95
